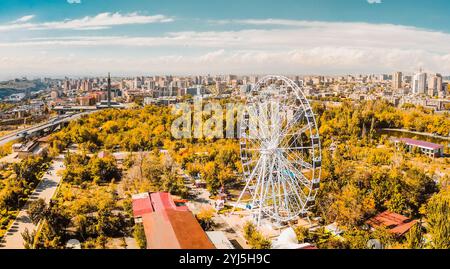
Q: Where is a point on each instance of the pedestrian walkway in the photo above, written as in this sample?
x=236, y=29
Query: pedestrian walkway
x=45, y=190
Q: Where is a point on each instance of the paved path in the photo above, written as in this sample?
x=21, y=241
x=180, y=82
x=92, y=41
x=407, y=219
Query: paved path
x=45, y=190
x=231, y=230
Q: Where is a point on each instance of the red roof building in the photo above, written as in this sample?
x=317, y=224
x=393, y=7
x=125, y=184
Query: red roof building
x=395, y=223
x=428, y=148
x=166, y=225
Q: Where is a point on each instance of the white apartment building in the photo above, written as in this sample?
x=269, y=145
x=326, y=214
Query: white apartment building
x=419, y=83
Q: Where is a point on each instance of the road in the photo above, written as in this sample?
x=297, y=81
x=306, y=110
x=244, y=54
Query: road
x=15, y=135
x=45, y=190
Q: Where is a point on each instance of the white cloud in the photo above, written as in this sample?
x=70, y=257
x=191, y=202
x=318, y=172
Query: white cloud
x=374, y=1
x=100, y=21
x=295, y=47
x=24, y=19
x=74, y=1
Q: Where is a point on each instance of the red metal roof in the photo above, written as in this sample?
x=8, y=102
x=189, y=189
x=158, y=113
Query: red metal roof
x=396, y=223
x=142, y=206
x=420, y=143
x=168, y=226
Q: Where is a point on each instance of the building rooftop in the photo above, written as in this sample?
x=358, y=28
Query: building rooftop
x=395, y=223
x=419, y=143
x=141, y=204
x=168, y=226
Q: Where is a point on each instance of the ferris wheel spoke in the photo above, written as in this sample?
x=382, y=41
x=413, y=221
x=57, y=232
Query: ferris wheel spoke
x=292, y=144
x=297, y=155
x=290, y=192
x=299, y=174
x=274, y=196
x=270, y=183
x=248, y=181
x=276, y=121
x=252, y=124
x=264, y=122
x=298, y=160
x=260, y=184
x=296, y=118
x=296, y=148
x=302, y=130
x=293, y=190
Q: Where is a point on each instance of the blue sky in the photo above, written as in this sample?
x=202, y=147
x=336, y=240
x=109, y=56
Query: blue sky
x=140, y=37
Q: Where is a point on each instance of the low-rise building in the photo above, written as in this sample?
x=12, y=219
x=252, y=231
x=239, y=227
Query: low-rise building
x=428, y=148
x=167, y=225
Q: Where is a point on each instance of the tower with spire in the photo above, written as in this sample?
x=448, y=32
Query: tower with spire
x=109, y=90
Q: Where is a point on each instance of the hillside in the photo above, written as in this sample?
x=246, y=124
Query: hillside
x=19, y=85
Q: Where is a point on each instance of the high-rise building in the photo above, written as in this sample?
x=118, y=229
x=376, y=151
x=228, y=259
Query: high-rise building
x=444, y=91
x=419, y=83
x=66, y=86
x=151, y=85
x=397, y=80
x=384, y=77
x=137, y=83
x=434, y=85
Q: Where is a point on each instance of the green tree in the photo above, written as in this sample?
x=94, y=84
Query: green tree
x=139, y=235
x=254, y=238
x=205, y=217
x=414, y=238
x=438, y=219
x=37, y=210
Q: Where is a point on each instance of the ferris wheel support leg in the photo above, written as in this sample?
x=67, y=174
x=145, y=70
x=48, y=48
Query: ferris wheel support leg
x=245, y=188
x=262, y=194
x=240, y=196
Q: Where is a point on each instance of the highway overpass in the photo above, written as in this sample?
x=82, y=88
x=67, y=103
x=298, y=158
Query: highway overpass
x=49, y=125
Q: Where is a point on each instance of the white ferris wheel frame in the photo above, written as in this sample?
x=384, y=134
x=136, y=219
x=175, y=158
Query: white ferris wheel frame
x=276, y=176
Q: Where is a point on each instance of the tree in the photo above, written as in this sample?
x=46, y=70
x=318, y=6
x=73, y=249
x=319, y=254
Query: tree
x=9, y=197
x=302, y=233
x=254, y=238
x=104, y=169
x=414, y=238
x=438, y=219
x=351, y=206
x=29, y=169
x=357, y=239
x=37, y=210
x=205, y=217
x=45, y=239
x=139, y=235
x=28, y=238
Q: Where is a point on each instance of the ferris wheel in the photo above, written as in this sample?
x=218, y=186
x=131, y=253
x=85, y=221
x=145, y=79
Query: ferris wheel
x=280, y=151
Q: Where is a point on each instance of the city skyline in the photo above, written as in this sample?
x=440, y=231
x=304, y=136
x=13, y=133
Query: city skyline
x=86, y=38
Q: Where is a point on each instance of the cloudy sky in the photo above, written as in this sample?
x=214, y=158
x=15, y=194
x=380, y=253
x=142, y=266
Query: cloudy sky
x=146, y=37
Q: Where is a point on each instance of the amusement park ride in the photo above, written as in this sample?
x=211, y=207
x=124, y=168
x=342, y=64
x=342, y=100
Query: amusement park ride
x=280, y=152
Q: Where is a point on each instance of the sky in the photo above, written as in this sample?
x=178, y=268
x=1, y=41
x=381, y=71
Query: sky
x=76, y=38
